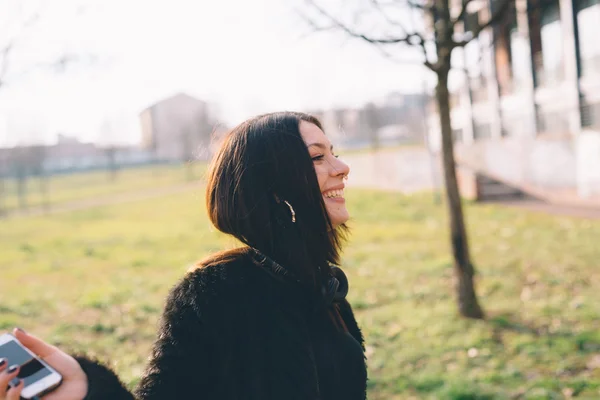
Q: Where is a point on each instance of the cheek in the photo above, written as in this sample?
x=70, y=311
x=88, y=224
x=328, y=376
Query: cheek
x=321, y=176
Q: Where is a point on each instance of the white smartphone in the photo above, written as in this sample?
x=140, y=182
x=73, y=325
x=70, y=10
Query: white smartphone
x=39, y=377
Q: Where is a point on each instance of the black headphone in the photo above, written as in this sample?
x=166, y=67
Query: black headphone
x=333, y=291
x=336, y=287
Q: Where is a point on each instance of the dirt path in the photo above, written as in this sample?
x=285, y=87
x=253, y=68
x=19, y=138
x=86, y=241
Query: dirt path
x=405, y=170
x=107, y=200
x=552, y=209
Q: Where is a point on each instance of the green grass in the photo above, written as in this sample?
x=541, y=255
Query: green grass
x=88, y=185
x=95, y=281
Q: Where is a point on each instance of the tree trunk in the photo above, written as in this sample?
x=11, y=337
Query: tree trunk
x=44, y=188
x=22, y=191
x=467, y=299
x=2, y=196
x=112, y=163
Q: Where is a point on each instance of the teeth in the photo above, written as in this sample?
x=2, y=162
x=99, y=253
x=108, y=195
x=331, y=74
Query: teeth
x=334, y=193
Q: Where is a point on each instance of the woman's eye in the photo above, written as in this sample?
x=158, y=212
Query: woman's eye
x=317, y=158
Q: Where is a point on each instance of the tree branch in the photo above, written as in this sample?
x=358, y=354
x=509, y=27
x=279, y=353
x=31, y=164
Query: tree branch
x=377, y=5
x=4, y=61
x=340, y=25
x=482, y=53
x=462, y=13
x=314, y=26
x=404, y=61
x=412, y=38
x=420, y=6
x=496, y=17
x=5, y=52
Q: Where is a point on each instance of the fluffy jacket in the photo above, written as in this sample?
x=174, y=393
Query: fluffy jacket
x=241, y=330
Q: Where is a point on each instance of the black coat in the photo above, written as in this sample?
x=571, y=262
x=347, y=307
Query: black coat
x=238, y=330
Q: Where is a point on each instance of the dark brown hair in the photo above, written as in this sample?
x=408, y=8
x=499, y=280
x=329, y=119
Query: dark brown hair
x=262, y=163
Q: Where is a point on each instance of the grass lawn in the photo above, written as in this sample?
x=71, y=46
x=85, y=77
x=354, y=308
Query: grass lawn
x=95, y=281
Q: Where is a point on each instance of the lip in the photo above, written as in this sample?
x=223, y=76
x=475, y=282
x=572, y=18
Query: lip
x=340, y=200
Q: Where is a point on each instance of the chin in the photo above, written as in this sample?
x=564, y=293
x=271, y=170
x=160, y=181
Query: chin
x=337, y=220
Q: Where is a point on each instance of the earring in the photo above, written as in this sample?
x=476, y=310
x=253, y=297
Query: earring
x=291, y=210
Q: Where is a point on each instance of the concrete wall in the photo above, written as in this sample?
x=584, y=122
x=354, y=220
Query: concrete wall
x=553, y=165
x=408, y=170
x=588, y=163
x=544, y=163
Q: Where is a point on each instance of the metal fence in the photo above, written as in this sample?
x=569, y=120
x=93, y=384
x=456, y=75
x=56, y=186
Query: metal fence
x=590, y=115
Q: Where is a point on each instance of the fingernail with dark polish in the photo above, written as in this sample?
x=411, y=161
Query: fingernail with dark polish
x=12, y=369
x=20, y=329
x=2, y=361
x=14, y=382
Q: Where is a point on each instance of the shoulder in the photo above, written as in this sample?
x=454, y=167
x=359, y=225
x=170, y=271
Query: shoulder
x=217, y=280
x=231, y=268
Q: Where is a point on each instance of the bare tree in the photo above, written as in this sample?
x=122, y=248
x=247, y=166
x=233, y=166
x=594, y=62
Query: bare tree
x=39, y=170
x=6, y=49
x=19, y=166
x=32, y=164
x=435, y=28
x=3, y=176
x=195, y=139
x=187, y=151
x=21, y=24
x=22, y=21
x=26, y=161
x=372, y=122
x=108, y=140
x=111, y=157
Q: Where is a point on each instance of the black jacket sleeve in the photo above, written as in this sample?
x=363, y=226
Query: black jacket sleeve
x=103, y=383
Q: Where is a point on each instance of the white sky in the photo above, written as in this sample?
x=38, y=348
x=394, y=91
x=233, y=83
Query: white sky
x=247, y=56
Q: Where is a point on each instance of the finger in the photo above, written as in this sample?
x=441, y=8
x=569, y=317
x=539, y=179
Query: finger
x=8, y=374
x=14, y=393
x=34, y=344
x=3, y=364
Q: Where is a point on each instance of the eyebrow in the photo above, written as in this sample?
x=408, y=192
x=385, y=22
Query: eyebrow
x=321, y=145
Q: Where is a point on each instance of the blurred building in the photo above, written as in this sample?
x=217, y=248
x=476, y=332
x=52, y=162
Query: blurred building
x=527, y=110
x=69, y=154
x=396, y=118
x=178, y=128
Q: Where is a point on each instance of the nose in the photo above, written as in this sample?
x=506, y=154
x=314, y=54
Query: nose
x=339, y=168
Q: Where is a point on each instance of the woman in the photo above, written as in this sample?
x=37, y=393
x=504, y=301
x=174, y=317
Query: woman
x=265, y=321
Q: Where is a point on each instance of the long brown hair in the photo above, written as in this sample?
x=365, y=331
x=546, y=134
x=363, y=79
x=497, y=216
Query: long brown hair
x=262, y=163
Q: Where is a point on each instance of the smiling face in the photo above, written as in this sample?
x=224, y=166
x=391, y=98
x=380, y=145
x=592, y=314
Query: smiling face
x=330, y=172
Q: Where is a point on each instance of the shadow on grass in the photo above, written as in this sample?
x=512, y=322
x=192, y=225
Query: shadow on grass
x=363, y=306
x=436, y=387
x=583, y=341
x=507, y=321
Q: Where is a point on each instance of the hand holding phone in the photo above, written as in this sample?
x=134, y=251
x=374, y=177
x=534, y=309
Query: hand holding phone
x=33, y=376
x=74, y=381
